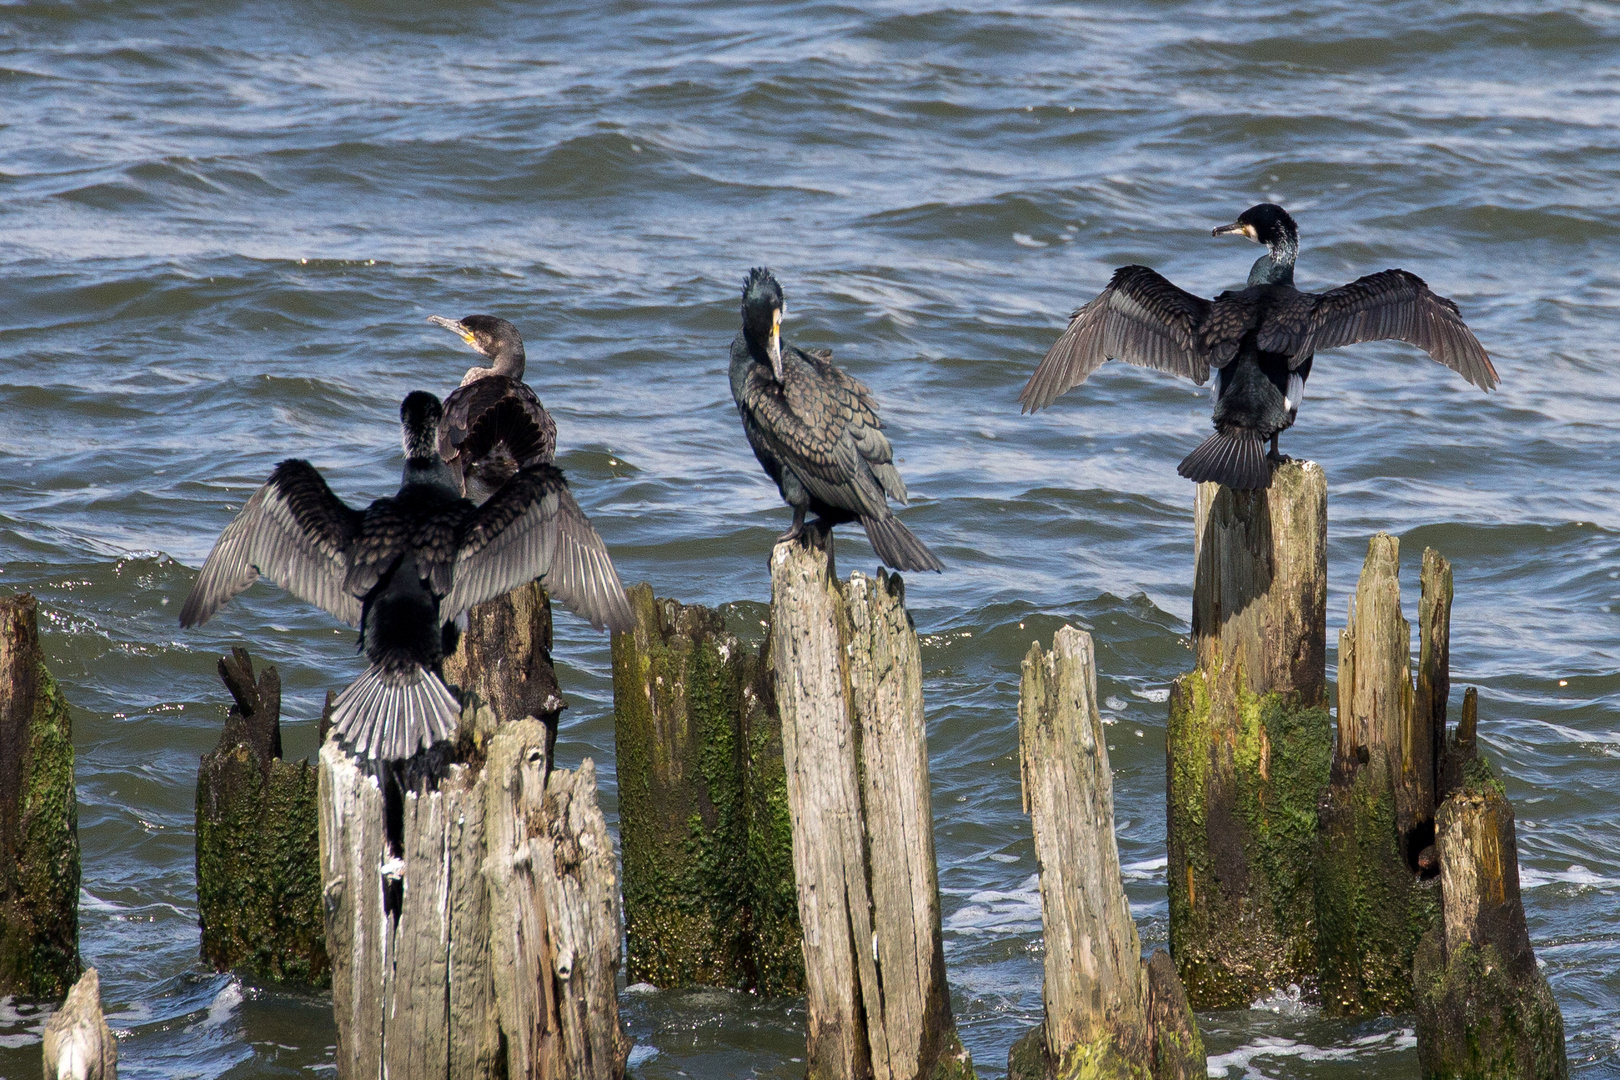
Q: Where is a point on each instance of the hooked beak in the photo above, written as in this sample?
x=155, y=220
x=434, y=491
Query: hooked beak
x=1241, y=227
x=773, y=348
x=455, y=327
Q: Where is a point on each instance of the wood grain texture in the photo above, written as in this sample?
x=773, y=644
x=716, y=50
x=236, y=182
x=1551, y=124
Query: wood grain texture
x=78, y=1044
x=499, y=954
x=1093, y=985
x=849, y=692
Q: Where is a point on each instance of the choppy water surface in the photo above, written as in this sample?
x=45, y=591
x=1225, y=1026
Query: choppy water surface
x=223, y=230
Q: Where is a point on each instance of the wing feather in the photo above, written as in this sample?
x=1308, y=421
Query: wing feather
x=293, y=531
x=532, y=528
x=1140, y=318
x=1396, y=305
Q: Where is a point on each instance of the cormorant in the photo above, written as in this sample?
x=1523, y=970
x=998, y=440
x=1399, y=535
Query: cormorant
x=816, y=431
x=1260, y=339
x=404, y=569
x=493, y=422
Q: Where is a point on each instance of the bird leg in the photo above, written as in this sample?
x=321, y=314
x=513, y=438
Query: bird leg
x=1277, y=457
x=797, y=528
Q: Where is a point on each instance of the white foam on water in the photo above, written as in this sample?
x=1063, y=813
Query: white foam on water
x=1530, y=878
x=222, y=1008
x=991, y=911
x=1156, y=696
x=1277, y=1047
x=1145, y=870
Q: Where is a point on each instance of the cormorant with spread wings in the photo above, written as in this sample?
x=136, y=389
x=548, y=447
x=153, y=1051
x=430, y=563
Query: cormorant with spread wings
x=1260, y=340
x=404, y=569
x=816, y=431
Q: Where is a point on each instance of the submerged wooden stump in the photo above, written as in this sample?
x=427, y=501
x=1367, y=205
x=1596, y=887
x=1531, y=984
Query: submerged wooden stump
x=1249, y=742
x=78, y=1043
x=1375, y=894
x=258, y=860
x=488, y=945
x=849, y=689
x=1108, y=1014
x=39, y=819
x=703, y=821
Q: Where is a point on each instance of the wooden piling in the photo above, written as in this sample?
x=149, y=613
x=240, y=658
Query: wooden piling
x=1249, y=742
x=1373, y=900
x=39, y=820
x=1484, y=1010
x=258, y=860
x=488, y=944
x=504, y=657
x=78, y=1043
x=703, y=821
x=1107, y=1013
x=848, y=679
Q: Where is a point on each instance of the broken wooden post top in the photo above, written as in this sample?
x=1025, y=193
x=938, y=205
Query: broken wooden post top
x=1260, y=584
x=78, y=1044
x=1375, y=660
x=1479, y=876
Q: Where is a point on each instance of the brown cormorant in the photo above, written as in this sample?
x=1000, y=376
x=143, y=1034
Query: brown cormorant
x=1260, y=339
x=493, y=423
x=404, y=569
x=816, y=431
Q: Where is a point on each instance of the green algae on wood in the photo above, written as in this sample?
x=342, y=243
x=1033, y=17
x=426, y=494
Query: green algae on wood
x=258, y=856
x=706, y=839
x=1374, y=903
x=1484, y=1009
x=1248, y=742
x=39, y=833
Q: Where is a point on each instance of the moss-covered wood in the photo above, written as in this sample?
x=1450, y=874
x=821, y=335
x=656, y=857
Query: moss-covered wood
x=258, y=857
x=704, y=826
x=1374, y=902
x=1249, y=743
x=39, y=821
x=1484, y=1010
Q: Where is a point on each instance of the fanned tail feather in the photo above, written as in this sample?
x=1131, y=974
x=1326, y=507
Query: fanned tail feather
x=1235, y=457
x=392, y=713
x=897, y=547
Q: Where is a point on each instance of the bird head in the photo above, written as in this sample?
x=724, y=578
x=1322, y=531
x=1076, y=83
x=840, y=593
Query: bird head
x=491, y=337
x=1267, y=224
x=762, y=310
x=419, y=416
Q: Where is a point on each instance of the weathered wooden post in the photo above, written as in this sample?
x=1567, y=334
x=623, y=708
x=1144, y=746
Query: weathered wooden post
x=39, y=819
x=505, y=658
x=1249, y=742
x=258, y=862
x=1373, y=899
x=1108, y=1013
x=849, y=689
x=488, y=944
x=78, y=1043
x=703, y=822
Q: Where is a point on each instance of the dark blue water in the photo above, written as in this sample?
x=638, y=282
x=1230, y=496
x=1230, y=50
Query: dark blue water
x=224, y=225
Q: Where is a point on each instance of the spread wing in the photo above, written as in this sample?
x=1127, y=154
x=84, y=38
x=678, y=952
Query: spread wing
x=295, y=532
x=532, y=528
x=822, y=424
x=1393, y=304
x=1140, y=318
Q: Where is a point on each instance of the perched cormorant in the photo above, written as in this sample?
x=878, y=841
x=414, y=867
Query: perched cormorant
x=404, y=569
x=493, y=423
x=1260, y=339
x=816, y=431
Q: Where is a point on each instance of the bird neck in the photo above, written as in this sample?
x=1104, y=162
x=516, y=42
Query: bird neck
x=429, y=471
x=1276, y=266
x=756, y=347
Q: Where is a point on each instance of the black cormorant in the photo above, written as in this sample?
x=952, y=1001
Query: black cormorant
x=816, y=431
x=1260, y=339
x=404, y=569
x=493, y=422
